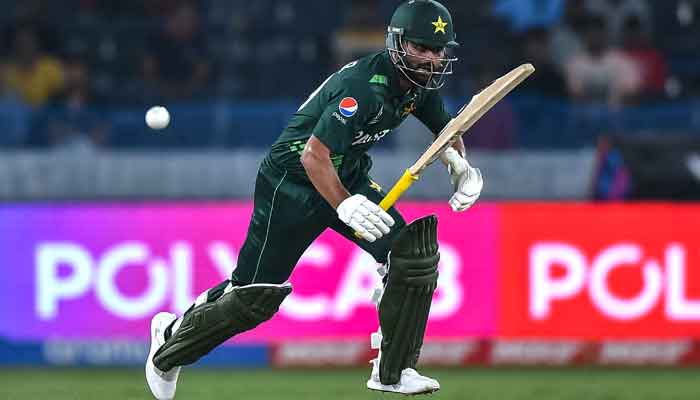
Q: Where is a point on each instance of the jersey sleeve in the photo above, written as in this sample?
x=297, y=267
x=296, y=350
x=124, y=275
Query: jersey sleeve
x=431, y=112
x=349, y=105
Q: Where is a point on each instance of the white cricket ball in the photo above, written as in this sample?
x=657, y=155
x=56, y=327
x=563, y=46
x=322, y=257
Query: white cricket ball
x=157, y=117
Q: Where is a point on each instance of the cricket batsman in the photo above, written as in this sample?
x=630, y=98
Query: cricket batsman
x=314, y=177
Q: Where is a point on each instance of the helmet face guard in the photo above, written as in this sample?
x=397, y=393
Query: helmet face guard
x=433, y=79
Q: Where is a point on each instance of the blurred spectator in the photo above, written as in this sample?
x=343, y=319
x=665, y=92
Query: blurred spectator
x=176, y=63
x=600, y=74
x=160, y=8
x=363, y=32
x=71, y=120
x=364, y=14
x=44, y=18
x=15, y=118
x=566, y=36
x=547, y=79
x=121, y=8
x=526, y=14
x=649, y=60
x=31, y=74
x=616, y=12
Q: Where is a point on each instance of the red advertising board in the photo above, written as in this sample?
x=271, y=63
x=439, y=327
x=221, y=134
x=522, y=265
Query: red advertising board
x=599, y=271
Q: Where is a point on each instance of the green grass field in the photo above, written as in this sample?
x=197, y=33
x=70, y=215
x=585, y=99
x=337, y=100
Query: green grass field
x=496, y=384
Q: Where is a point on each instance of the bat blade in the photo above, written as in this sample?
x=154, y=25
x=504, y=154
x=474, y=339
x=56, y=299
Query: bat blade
x=479, y=104
x=471, y=112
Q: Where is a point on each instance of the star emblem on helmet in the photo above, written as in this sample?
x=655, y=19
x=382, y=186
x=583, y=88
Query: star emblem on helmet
x=440, y=25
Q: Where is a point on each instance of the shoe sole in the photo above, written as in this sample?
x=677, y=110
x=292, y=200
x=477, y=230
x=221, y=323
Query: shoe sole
x=371, y=385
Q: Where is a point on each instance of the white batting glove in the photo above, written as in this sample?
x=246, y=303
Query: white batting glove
x=467, y=181
x=365, y=217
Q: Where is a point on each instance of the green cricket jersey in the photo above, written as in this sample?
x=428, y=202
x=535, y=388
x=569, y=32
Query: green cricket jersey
x=353, y=109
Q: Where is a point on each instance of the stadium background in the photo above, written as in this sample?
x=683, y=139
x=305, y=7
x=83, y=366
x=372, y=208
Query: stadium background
x=582, y=251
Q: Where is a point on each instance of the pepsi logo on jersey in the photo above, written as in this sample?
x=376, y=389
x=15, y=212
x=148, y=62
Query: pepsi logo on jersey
x=348, y=107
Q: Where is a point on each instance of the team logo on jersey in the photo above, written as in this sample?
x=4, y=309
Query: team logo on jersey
x=348, y=107
x=408, y=109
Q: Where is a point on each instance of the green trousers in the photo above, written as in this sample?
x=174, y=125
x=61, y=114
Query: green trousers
x=288, y=215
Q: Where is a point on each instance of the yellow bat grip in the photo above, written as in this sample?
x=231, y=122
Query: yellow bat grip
x=399, y=188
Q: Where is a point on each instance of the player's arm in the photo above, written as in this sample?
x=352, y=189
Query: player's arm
x=359, y=213
x=467, y=181
x=333, y=135
x=316, y=159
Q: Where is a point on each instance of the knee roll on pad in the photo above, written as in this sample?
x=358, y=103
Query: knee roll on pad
x=204, y=327
x=405, y=304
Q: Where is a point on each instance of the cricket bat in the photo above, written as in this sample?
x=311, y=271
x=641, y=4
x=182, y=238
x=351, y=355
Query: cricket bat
x=479, y=104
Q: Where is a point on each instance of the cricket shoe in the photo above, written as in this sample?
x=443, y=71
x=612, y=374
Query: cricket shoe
x=162, y=384
x=411, y=382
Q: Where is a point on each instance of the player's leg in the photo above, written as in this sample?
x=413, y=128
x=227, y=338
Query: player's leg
x=217, y=315
x=276, y=240
x=286, y=218
x=404, y=306
x=404, y=299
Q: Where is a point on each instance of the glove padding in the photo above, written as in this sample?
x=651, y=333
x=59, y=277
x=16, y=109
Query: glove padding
x=366, y=218
x=467, y=181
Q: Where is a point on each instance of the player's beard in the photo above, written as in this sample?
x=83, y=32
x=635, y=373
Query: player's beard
x=423, y=72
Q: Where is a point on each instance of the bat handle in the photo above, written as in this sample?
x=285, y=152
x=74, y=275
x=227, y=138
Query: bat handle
x=399, y=188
